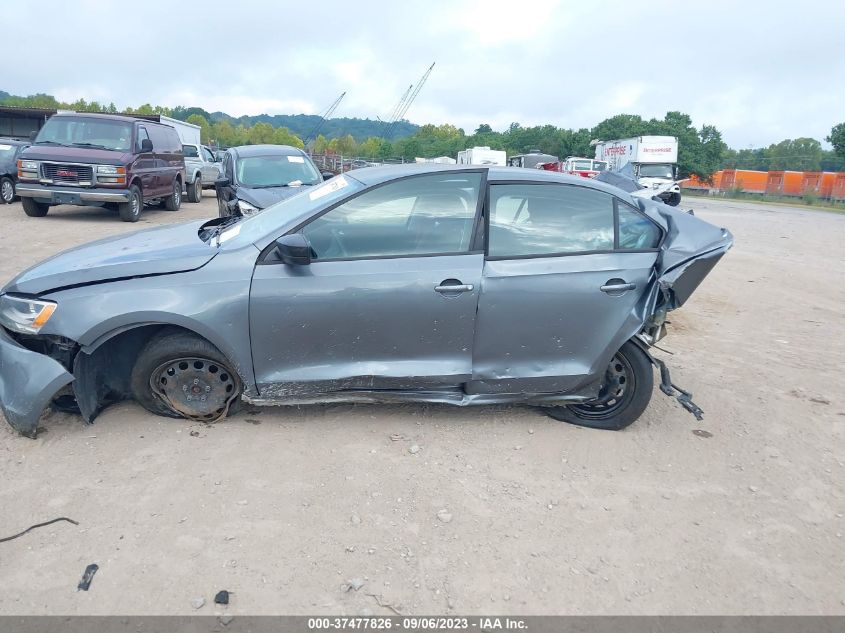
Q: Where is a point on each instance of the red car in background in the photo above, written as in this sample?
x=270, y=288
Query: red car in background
x=585, y=167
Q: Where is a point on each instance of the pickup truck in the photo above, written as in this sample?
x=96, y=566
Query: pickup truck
x=202, y=169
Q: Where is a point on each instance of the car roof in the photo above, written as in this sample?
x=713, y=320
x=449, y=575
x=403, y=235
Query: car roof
x=376, y=175
x=110, y=117
x=246, y=151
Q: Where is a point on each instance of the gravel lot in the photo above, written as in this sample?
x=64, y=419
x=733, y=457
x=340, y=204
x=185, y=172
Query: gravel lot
x=501, y=509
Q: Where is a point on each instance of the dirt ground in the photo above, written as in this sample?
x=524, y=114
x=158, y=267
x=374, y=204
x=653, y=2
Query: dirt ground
x=286, y=507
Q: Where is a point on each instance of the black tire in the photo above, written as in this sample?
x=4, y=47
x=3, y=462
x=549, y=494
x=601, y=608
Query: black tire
x=34, y=209
x=674, y=200
x=7, y=190
x=130, y=211
x=168, y=347
x=624, y=401
x=174, y=200
x=195, y=190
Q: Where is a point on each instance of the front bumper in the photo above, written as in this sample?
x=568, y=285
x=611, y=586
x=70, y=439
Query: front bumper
x=71, y=195
x=28, y=382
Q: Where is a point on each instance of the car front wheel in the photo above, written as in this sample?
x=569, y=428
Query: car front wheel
x=195, y=190
x=180, y=375
x=34, y=209
x=130, y=211
x=624, y=394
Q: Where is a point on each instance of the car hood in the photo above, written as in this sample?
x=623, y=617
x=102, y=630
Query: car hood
x=263, y=197
x=85, y=155
x=157, y=251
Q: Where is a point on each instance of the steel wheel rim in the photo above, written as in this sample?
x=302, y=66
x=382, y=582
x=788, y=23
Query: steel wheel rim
x=617, y=389
x=136, y=206
x=8, y=191
x=199, y=189
x=177, y=193
x=196, y=388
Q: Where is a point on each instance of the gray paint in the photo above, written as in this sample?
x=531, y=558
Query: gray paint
x=533, y=330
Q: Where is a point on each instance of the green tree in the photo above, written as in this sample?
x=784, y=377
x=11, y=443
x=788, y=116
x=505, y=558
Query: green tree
x=837, y=139
x=283, y=136
x=205, y=126
x=370, y=148
x=321, y=144
x=261, y=133
x=223, y=134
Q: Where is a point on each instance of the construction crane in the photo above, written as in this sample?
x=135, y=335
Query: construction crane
x=323, y=118
x=405, y=103
x=398, y=107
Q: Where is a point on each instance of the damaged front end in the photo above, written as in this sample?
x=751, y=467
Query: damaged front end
x=29, y=379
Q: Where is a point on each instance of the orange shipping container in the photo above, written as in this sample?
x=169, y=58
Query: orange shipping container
x=828, y=180
x=694, y=182
x=838, y=190
x=811, y=182
x=785, y=183
x=745, y=180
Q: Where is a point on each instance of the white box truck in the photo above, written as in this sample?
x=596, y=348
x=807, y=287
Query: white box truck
x=482, y=156
x=653, y=162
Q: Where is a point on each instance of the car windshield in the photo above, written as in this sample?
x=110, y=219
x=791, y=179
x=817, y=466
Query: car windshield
x=86, y=132
x=190, y=151
x=656, y=171
x=276, y=171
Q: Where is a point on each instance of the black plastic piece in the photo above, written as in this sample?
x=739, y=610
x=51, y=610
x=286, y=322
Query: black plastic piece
x=222, y=597
x=87, y=577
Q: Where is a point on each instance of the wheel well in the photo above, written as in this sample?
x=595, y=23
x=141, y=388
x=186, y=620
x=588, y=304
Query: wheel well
x=137, y=182
x=102, y=377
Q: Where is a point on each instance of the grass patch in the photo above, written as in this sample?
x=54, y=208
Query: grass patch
x=809, y=200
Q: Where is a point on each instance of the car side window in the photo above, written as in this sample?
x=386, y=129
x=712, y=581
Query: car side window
x=548, y=219
x=227, y=166
x=421, y=215
x=142, y=134
x=209, y=157
x=190, y=151
x=635, y=230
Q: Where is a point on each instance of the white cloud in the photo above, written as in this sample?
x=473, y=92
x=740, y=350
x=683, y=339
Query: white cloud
x=758, y=72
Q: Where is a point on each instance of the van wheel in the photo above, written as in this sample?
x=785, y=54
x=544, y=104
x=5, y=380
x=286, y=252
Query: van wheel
x=195, y=190
x=34, y=209
x=7, y=190
x=674, y=200
x=130, y=210
x=623, y=396
x=181, y=375
x=174, y=200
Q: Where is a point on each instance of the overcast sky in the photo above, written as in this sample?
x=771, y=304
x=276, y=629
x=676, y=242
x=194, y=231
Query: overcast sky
x=758, y=72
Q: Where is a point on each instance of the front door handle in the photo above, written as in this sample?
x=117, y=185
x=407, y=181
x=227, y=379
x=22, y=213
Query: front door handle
x=452, y=286
x=617, y=286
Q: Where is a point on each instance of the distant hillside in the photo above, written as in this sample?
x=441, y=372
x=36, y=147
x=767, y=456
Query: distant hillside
x=299, y=124
x=303, y=124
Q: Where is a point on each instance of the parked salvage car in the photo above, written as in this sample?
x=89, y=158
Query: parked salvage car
x=101, y=160
x=414, y=283
x=257, y=176
x=10, y=149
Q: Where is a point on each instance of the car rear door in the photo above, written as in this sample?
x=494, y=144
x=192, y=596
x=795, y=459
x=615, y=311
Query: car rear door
x=567, y=271
x=210, y=169
x=389, y=300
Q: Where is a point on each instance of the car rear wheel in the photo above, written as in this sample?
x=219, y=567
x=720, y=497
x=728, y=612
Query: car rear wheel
x=674, y=200
x=195, y=190
x=7, y=190
x=174, y=200
x=180, y=375
x=130, y=211
x=34, y=209
x=624, y=394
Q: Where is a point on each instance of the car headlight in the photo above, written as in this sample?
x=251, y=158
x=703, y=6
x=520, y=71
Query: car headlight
x=28, y=165
x=246, y=208
x=25, y=315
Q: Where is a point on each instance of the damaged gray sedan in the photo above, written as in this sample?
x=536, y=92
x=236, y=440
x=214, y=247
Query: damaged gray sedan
x=416, y=283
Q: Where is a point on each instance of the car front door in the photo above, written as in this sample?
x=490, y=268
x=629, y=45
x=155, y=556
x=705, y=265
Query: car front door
x=389, y=300
x=145, y=164
x=562, y=286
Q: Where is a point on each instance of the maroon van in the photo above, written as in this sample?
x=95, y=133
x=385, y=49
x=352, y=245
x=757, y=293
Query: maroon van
x=101, y=160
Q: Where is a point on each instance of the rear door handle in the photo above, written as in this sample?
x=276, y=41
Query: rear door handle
x=614, y=286
x=449, y=286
